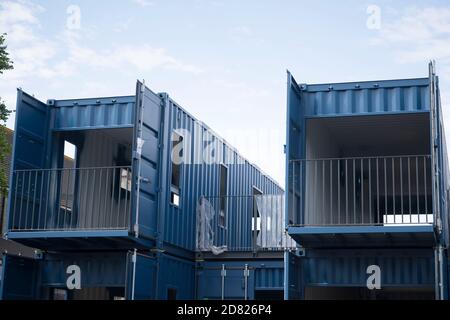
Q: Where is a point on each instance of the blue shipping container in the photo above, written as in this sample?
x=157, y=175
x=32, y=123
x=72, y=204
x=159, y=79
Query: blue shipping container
x=366, y=167
x=117, y=140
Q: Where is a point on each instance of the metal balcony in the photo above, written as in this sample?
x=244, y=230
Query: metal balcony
x=360, y=195
x=242, y=223
x=70, y=199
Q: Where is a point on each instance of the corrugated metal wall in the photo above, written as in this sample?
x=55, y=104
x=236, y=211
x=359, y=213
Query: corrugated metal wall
x=97, y=201
x=176, y=275
x=96, y=113
x=269, y=278
x=406, y=267
x=201, y=178
x=366, y=97
x=99, y=269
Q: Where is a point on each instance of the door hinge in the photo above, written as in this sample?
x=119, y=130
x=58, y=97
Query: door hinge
x=246, y=271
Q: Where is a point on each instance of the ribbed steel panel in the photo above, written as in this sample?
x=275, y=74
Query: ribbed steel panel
x=202, y=179
x=409, y=268
x=177, y=275
x=329, y=270
x=269, y=278
x=98, y=269
x=388, y=96
x=95, y=113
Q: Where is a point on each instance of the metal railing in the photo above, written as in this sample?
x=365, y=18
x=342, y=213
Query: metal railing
x=70, y=199
x=242, y=223
x=392, y=190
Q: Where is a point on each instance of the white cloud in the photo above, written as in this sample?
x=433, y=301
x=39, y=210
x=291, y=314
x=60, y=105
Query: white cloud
x=18, y=12
x=64, y=55
x=30, y=53
x=418, y=34
x=144, y=3
x=143, y=57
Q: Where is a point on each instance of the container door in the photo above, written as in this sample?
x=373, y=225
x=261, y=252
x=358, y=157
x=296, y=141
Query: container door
x=146, y=160
x=32, y=132
x=226, y=282
x=434, y=140
x=31, y=141
x=295, y=150
x=293, y=286
x=239, y=283
x=18, y=279
x=141, y=277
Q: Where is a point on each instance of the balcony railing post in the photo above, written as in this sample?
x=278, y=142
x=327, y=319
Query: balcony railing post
x=370, y=190
x=362, y=190
x=417, y=189
x=16, y=176
x=393, y=190
x=401, y=187
x=425, y=186
x=330, y=208
x=379, y=220
x=40, y=199
x=409, y=190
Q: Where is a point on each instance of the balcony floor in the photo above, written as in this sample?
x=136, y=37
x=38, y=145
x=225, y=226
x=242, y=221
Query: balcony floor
x=77, y=239
x=363, y=236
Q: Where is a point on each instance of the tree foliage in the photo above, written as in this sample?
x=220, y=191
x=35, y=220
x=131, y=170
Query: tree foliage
x=5, y=148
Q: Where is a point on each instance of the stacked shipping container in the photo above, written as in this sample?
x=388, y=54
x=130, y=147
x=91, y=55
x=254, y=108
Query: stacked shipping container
x=125, y=215
x=367, y=190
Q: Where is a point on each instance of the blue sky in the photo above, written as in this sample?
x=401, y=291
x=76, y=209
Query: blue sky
x=224, y=61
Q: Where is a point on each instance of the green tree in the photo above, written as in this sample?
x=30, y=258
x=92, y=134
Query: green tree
x=5, y=148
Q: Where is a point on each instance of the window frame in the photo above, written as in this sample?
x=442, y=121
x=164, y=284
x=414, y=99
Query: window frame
x=176, y=190
x=223, y=198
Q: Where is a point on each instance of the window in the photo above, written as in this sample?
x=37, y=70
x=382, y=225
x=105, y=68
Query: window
x=125, y=179
x=122, y=183
x=177, y=160
x=69, y=150
x=68, y=176
x=175, y=198
x=223, y=194
x=256, y=221
x=171, y=294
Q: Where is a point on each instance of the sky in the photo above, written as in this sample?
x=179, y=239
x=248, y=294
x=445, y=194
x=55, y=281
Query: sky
x=223, y=61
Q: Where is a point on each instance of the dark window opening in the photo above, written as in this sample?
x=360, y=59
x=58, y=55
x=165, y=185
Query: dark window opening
x=70, y=151
x=256, y=221
x=125, y=179
x=223, y=194
x=175, y=198
x=122, y=184
x=68, y=177
x=177, y=160
x=171, y=294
